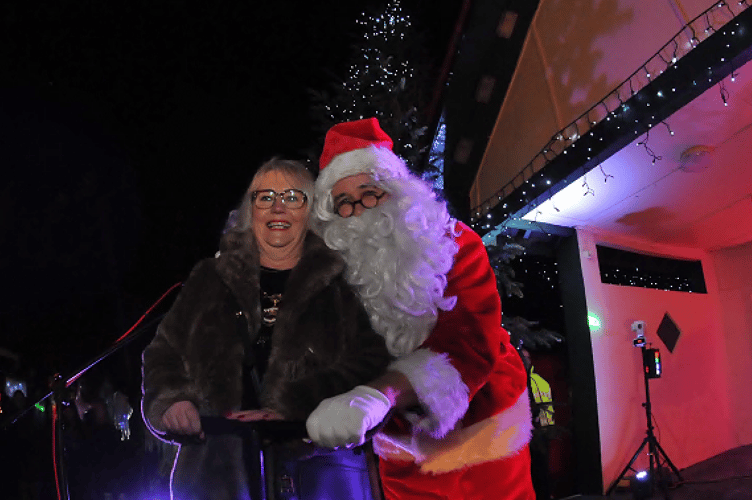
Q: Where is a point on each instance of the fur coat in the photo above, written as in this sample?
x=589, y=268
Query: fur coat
x=322, y=345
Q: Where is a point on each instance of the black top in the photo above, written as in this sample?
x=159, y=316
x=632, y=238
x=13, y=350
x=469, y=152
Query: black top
x=272, y=283
x=272, y=288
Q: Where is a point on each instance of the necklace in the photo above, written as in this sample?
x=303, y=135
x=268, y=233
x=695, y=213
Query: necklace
x=270, y=307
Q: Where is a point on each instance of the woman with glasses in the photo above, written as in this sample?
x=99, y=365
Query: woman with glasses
x=266, y=329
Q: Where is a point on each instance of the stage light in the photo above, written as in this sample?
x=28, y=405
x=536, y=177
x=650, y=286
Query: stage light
x=594, y=322
x=651, y=359
x=641, y=485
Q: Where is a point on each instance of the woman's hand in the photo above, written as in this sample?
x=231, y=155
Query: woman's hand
x=254, y=415
x=183, y=418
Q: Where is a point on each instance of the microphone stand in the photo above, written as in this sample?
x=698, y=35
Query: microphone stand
x=59, y=389
x=60, y=385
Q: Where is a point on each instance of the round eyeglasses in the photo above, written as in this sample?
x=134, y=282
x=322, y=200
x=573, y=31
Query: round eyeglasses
x=291, y=198
x=345, y=208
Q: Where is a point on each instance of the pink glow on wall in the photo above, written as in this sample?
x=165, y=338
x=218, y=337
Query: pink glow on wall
x=693, y=392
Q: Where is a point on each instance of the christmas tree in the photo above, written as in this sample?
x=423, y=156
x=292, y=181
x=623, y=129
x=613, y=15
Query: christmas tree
x=389, y=77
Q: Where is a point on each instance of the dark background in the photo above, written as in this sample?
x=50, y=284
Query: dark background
x=128, y=130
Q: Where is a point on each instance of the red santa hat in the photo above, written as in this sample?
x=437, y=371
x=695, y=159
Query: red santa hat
x=356, y=147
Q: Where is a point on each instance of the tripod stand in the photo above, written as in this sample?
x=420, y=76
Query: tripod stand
x=655, y=451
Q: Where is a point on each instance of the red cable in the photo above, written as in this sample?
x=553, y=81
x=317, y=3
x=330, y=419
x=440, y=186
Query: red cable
x=149, y=310
x=55, y=416
x=130, y=330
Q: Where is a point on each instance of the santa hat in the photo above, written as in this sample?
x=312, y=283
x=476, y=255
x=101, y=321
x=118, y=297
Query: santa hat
x=356, y=147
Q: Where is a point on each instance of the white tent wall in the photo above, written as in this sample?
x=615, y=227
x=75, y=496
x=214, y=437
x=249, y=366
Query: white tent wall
x=733, y=267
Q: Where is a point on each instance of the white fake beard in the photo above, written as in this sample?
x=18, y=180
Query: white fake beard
x=397, y=261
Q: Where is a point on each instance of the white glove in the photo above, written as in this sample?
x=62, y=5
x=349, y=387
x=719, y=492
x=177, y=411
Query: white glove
x=345, y=419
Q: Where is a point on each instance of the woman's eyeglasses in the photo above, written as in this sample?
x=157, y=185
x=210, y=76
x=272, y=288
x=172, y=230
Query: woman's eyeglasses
x=291, y=198
x=345, y=208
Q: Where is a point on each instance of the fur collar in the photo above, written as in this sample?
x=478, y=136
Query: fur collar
x=238, y=266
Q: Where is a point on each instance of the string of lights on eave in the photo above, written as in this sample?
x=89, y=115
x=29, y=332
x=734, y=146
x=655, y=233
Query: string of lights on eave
x=705, y=52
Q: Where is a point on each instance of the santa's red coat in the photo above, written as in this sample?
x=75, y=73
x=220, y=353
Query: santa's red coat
x=470, y=440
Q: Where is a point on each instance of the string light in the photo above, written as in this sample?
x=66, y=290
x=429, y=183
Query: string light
x=644, y=143
x=554, y=206
x=671, y=132
x=588, y=189
x=624, y=117
x=378, y=69
x=724, y=92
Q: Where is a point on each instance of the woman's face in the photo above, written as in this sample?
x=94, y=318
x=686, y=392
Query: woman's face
x=279, y=229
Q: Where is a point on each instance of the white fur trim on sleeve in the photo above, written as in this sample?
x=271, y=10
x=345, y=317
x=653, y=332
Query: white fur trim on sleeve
x=439, y=387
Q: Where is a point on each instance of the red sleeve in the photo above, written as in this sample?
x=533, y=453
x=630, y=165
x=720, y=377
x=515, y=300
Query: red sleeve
x=471, y=333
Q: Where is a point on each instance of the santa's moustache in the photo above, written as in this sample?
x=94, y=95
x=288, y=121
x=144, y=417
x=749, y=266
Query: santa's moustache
x=397, y=262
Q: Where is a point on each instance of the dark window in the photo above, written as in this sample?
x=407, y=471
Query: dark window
x=539, y=277
x=621, y=267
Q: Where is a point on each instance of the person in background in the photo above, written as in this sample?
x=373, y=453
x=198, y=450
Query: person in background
x=462, y=422
x=543, y=420
x=265, y=330
x=540, y=393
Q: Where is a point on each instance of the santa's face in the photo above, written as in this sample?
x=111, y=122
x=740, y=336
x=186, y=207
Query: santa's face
x=354, y=194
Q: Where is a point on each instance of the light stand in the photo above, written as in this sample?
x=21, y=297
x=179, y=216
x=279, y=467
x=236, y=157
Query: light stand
x=655, y=451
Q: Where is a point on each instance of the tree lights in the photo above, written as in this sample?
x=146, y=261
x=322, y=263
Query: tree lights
x=386, y=79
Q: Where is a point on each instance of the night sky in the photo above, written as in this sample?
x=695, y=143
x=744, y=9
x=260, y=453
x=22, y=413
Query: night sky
x=128, y=130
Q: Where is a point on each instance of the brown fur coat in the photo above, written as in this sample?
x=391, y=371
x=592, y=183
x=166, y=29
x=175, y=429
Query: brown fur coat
x=322, y=345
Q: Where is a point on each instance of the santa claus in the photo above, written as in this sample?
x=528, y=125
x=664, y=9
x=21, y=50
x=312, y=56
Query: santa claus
x=457, y=388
